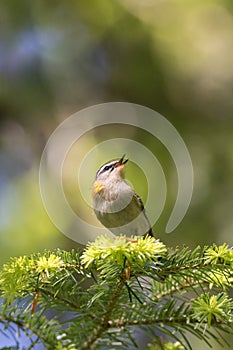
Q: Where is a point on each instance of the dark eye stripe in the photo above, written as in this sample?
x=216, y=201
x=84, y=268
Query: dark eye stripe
x=106, y=167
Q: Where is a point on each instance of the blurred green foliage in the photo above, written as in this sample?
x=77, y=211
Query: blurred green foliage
x=59, y=57
x=172, y=56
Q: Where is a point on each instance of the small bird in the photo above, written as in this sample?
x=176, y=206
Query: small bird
x=116, y=204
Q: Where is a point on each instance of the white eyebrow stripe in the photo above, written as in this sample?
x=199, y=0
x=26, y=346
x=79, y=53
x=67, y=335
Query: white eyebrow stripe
x=103, y=166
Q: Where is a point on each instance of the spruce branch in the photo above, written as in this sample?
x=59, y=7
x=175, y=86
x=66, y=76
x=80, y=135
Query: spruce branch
x=115, y=287
x=107, y=316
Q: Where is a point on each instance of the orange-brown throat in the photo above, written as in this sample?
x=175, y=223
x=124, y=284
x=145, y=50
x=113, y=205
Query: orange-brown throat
x=121, y=164
x=121, y=161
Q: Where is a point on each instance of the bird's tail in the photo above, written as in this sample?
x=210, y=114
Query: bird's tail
x=150, y=233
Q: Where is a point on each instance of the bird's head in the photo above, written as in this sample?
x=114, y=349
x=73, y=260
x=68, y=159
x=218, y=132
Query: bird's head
x=110, y=173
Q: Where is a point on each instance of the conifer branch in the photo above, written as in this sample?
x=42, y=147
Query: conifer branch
x=104, y=325
x=174, y=293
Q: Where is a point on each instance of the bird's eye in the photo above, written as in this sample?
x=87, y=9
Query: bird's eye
x=107, y=167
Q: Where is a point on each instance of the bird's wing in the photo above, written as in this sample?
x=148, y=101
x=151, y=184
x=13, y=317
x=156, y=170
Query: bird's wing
x=140, y=204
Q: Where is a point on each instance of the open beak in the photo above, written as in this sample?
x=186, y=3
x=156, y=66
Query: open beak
x=121, y=162
x=120, y=165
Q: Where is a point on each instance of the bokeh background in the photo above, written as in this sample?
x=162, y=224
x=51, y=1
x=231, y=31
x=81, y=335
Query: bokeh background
x=174, y=56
